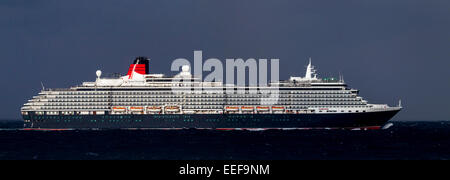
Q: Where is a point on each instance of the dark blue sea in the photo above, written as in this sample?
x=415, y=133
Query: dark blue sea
x=404, y=140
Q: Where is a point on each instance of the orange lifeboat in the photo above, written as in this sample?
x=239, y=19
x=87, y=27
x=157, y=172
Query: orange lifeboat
x=119, y=109
x=232, y=108
x=262, y=108
x=278, y=108
x=154, y=109
x=172, y=108
x=247, y=108
x=137, y=109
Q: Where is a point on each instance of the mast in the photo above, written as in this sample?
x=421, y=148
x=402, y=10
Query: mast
x=310, y=72
x=309, y=69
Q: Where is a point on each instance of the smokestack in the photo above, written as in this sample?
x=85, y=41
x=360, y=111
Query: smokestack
x=140, y=65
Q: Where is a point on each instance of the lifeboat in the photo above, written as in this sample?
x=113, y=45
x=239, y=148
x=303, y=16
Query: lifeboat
x=247, y=108
x=119, y=109
x=172, y=108
x=262, y=108
x=232, y=108
x=154, y=109
x=137, y=109
x=277, y=108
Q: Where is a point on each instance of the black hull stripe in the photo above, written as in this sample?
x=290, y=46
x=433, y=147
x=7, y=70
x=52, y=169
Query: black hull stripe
x=210, y=120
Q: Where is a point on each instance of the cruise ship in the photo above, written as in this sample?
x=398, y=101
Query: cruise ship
x=140, y=100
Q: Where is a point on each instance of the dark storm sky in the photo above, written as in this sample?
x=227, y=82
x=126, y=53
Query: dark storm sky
x=388, y=49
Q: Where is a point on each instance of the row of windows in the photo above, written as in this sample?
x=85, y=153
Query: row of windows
x=91, y=102
x=96, y=101
x=76, y=104
x=75, y=119
x=337, y=91
x=330, y=106
x=201, y=107
x=310, y=103
x=70, y=119
x=74, y=107
x=243, y=101
x=298, y=100
x=206, y=96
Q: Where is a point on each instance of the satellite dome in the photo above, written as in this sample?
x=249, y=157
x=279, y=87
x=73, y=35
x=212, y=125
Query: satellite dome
x=186, y=68
x=99, y=73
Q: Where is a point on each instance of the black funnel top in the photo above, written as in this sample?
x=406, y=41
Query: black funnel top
x=143, y=60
